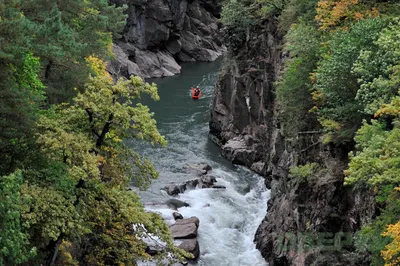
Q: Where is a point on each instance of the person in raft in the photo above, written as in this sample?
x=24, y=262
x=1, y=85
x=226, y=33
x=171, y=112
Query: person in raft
x=197, y=91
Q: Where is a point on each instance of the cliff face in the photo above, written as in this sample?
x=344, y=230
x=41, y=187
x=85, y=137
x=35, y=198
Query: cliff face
x=161, y=33
x=308, y=221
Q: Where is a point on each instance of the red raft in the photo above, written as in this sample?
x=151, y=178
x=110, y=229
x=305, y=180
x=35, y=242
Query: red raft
x=194, y=96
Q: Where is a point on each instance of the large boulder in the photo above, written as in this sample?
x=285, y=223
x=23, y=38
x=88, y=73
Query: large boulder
x=191, y=246
x=190, y=220
x=183, y=230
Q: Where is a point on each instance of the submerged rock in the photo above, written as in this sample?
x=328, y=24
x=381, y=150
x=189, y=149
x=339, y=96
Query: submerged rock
x=175, y=189
x=198, y=168
x=175, y=203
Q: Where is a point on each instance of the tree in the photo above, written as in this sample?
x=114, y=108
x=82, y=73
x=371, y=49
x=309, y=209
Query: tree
x=237, y=15
x=332, y=14
x=379, y=70
x=21, y=94
x=14, y=245
x=337, y=85
x=391, y=254
x=375, y=163
x=294, y=90
x=64, y=34
x=87, y=137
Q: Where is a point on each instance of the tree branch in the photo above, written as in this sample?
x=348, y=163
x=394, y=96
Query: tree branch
x=105, y=130
x=90, y=117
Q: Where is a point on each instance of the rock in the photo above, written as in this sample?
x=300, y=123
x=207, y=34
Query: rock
x=172, y=189
x=155, y=33
x=199, y=168
x=121, y=65
x=153, y=246
x=174, y=46
x=177, y=215
x=168, y=62
x=191, y=246
x=192, y=219
x=188, y=230
x=159, y=11
x=175, y=203
x=183, y=57
x=219, y=187
x=151, y=251
x=160, y=64
x=237, y=152
x=208, y=180
x=258, y=167
x=192, y=184
x=186, y=30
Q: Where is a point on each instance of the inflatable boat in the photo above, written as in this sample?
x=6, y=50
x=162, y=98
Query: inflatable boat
x=195, y=96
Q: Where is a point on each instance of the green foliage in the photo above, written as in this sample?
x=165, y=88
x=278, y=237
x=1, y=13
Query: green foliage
x=377, y=160
x=336, y=81
x=272, y=7
x=294, y=90
x=87, y=138
x=237, y=14
x=295, y=11
x=376, y=163
x=304, y=173
x=379, y=70
x=370, y=238
x=14, y=245
x=21, y=93
x=71, y=196
x=62, y=34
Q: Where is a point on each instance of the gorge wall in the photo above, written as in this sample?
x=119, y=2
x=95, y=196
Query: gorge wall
x=161, y=33
x=245, y=123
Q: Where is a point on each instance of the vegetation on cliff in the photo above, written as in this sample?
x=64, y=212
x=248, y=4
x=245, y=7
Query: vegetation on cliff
x=341, y=79
x=64, y=169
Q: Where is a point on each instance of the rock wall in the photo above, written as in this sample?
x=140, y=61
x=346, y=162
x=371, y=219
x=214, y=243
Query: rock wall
x=161, y=33
x=302, y=214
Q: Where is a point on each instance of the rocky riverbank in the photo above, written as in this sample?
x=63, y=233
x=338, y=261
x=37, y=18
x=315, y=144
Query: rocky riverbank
x=161, y=34
x=245, y=123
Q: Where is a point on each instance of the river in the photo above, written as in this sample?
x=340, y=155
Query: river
x=228, y=224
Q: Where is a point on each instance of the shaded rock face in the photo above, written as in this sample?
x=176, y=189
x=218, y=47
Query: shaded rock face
x=245, y=123
x=243, y=108
x=160, y=33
